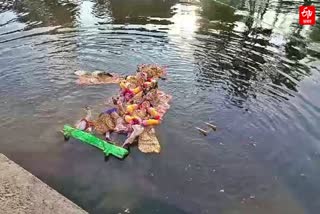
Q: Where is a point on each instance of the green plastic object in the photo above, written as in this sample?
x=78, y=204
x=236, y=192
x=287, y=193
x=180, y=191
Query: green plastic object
x=85, y=137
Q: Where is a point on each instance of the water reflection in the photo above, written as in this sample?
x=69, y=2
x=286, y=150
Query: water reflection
x=101, y=9
x=141, y=11
x=93, y=13
x=186, y=20
x=47, y=12
x=247, y=65
x=242, y=54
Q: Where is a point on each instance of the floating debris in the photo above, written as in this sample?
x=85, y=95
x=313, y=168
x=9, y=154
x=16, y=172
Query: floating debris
x=205, y=132
x=97, y=77
x=202, y=131
x=252, y=197
x=135, y=111
x=253, y=144
x=148, y=142
x=213, y=127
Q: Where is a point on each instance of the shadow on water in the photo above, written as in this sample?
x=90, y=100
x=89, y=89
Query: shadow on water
x=246, y=65
x=142, y=11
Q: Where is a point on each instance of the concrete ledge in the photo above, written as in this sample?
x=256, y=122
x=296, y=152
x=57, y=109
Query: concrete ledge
x=22, y=192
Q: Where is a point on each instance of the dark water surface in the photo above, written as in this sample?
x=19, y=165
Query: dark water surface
x=245, y=65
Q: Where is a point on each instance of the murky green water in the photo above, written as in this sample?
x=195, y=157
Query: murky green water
x=246, y=65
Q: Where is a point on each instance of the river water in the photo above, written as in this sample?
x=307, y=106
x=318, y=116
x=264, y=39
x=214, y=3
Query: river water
x=247, y=66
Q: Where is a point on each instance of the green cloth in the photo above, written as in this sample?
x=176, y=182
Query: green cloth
x=106, y=147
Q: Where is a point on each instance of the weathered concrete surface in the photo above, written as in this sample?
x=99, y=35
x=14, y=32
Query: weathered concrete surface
x=21, y=192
